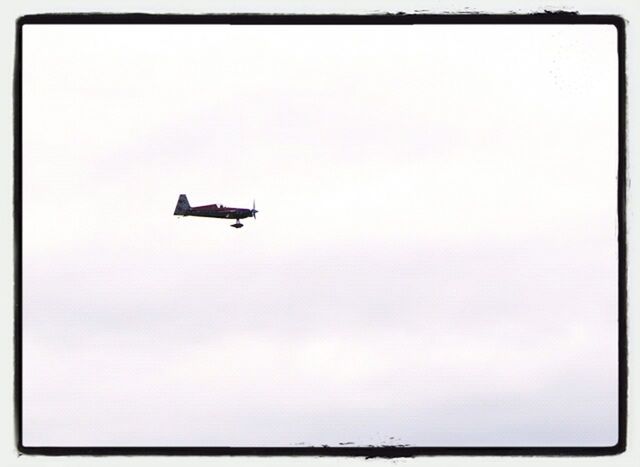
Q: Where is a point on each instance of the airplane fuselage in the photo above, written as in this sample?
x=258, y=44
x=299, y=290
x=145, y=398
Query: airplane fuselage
x=221, y=212
x=183, y=208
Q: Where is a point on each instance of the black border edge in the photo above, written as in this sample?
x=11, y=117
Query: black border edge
x=384, y=451
x=17, y=234
x=623, y=368
x=546, y=17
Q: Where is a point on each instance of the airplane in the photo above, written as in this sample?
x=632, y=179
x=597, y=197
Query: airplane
x=213, y=210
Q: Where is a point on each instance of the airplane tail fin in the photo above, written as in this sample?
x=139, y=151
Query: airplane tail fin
x=182, y=208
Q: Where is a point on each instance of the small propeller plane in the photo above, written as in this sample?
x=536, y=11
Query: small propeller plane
x=213, y=210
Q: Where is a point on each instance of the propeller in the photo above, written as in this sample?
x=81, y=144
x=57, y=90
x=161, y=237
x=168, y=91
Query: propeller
x=253, y=211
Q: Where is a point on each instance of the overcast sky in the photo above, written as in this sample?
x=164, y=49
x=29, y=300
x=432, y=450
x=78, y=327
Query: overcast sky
x=434, y=262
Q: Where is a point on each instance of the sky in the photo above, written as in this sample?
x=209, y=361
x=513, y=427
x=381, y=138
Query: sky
x=434, y=262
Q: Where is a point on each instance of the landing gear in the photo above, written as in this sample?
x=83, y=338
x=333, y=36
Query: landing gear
x=237, y=225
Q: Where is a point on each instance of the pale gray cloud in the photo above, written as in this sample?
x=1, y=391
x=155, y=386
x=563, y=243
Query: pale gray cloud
x=434, y=259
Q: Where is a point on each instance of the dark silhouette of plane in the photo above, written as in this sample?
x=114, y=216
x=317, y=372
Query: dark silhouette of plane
x=213, y=210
